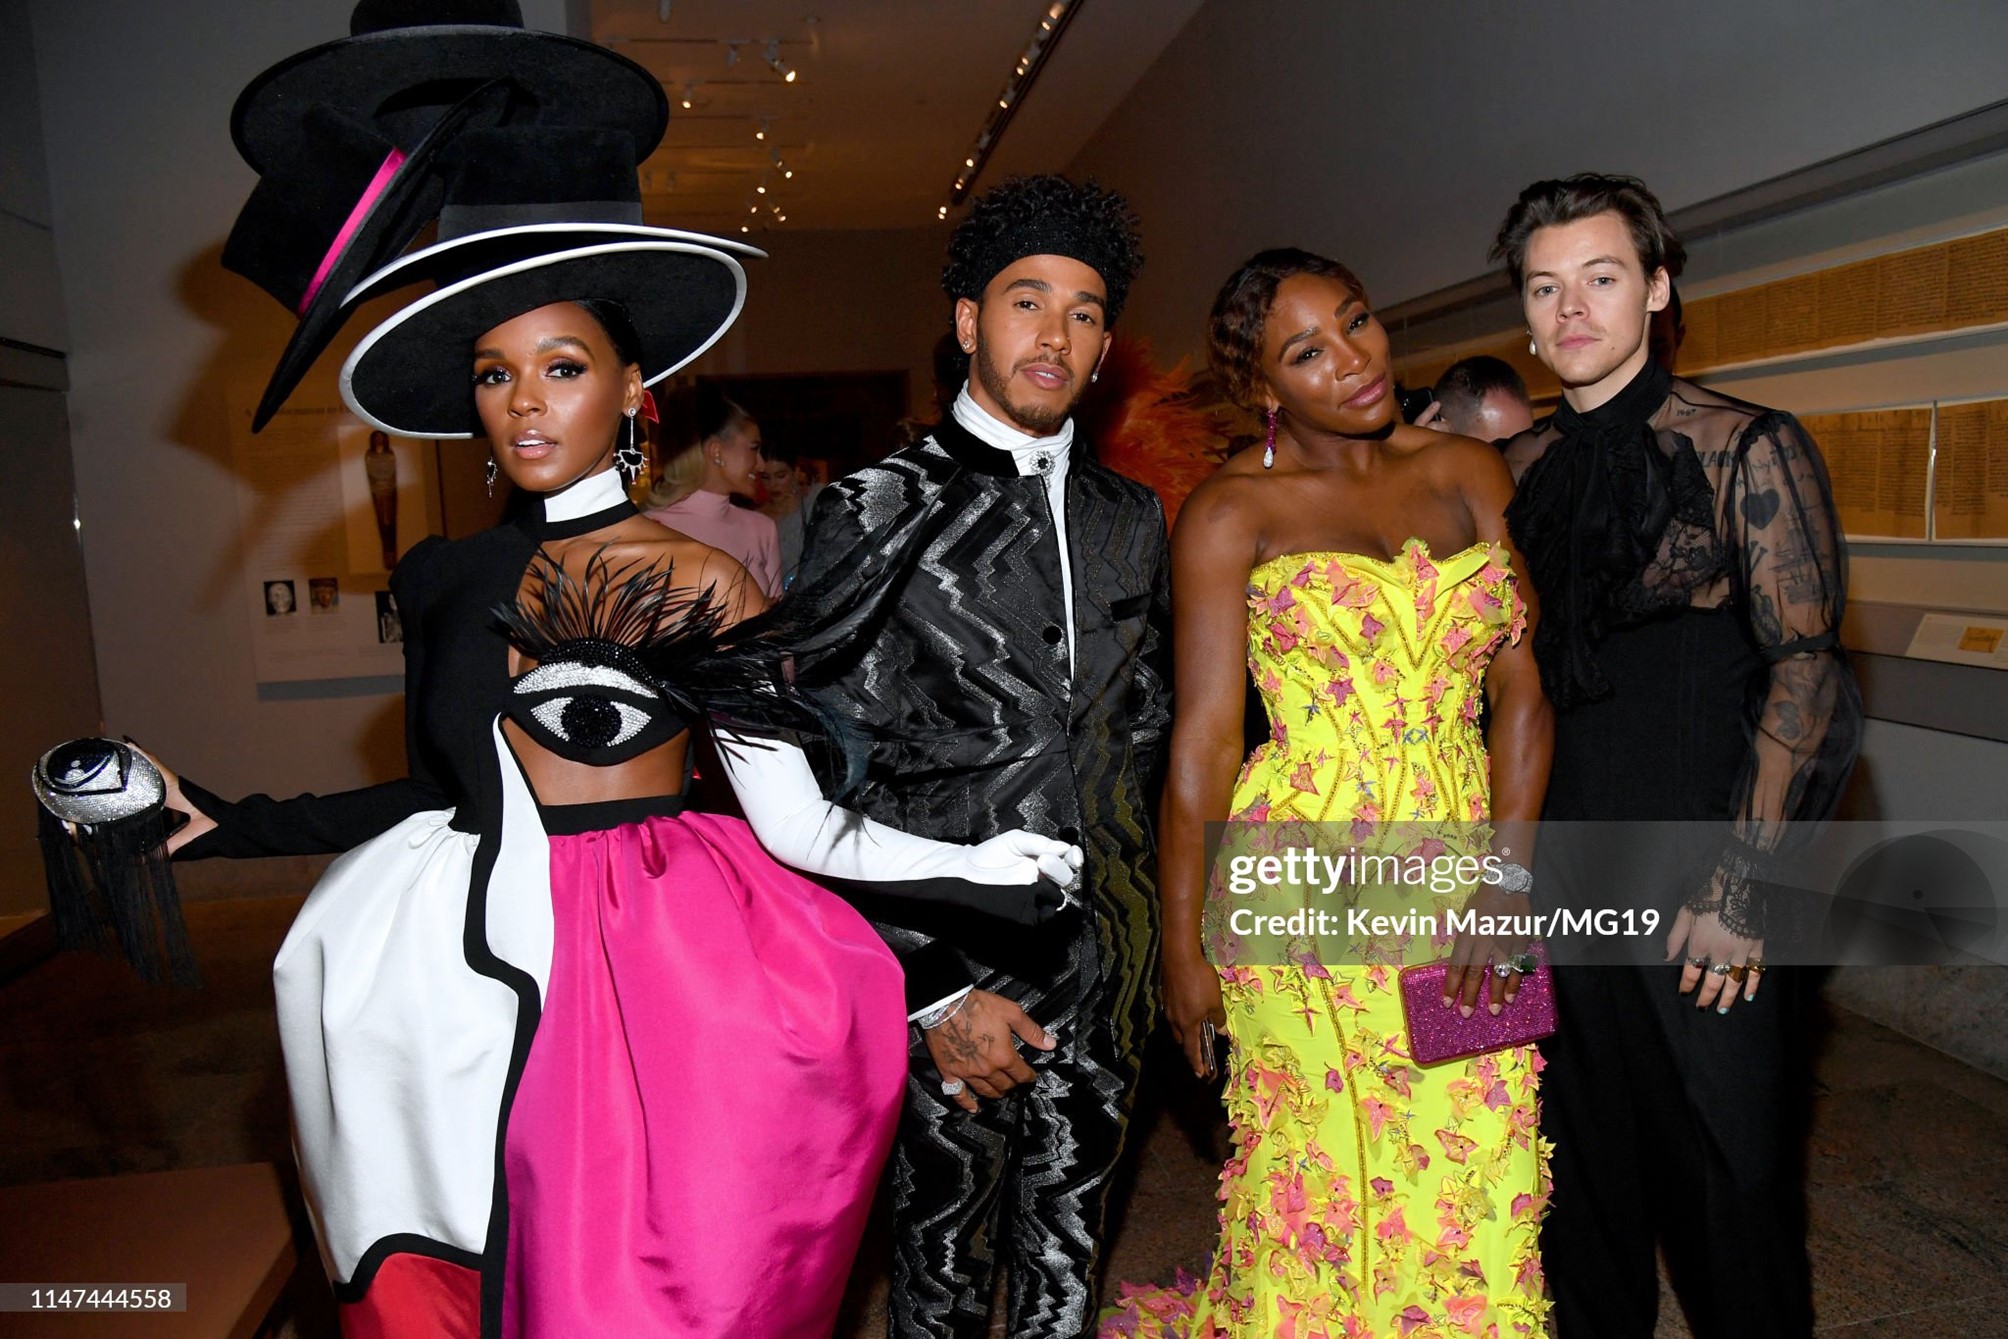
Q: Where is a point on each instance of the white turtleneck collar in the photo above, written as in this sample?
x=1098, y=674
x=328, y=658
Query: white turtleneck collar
x=596, y=492
x=1034, y=456
x=1025, y=449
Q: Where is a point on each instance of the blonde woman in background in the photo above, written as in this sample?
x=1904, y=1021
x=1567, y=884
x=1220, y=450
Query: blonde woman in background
x=718, y=460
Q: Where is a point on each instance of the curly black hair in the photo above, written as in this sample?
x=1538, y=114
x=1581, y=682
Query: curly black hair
x=1044, y=216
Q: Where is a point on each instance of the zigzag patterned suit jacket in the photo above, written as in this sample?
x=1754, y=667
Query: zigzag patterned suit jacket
x=962, y=683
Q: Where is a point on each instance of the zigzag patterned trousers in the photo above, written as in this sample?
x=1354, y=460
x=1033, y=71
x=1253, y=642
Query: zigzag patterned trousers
x=1023, y=1181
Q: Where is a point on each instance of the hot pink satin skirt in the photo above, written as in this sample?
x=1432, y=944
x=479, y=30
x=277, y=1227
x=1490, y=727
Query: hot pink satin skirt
x=709, y=1097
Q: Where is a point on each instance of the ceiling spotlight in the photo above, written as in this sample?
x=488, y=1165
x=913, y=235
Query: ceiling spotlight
x=760, y=190
x=731, y=54
x=773, y=58
x=690, y=95
x=944, y=212
x=780, y=218
x=761, y=133
x=787, y=174
x=744, y=228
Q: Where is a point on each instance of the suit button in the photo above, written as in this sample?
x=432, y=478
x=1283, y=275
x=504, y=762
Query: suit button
x=1053, y=634
x=1071, y=836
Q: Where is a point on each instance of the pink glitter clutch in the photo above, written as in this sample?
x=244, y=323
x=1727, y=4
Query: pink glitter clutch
x=1437, y=1034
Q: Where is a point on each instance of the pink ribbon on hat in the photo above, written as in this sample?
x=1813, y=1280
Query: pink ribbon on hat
x=377, y=185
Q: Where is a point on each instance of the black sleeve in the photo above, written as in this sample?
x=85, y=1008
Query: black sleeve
x=1805, y=727
x=259, y=825
x=1150, y=716
x=836, y=540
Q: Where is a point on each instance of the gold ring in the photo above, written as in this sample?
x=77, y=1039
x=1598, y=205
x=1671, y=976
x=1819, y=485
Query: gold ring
x=1756, y=964
x=1738, y=972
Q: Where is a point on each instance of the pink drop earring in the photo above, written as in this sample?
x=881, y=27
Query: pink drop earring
x=1269, y=448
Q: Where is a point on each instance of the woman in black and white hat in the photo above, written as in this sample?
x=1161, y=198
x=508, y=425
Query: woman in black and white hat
x=565, y=1059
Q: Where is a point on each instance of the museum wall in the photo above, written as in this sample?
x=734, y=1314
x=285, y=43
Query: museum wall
x=143, y=184
x=48, y=683
x=1394, y=137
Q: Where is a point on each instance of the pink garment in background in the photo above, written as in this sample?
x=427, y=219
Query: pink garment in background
x=712, y=1089
x=710, y=518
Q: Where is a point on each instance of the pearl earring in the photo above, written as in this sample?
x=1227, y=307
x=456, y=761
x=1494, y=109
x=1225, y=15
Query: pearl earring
x=1532, y=347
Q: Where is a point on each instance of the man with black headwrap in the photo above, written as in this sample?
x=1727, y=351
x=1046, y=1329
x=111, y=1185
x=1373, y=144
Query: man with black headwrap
x=1017, y=678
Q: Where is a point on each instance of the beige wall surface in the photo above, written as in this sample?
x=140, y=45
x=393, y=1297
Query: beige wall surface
x=144, y=184
x=867, y=301
x=1395, y=136
x=48, y=683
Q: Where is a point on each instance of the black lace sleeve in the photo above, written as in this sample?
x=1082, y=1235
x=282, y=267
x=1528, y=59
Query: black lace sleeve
x=1789, y=573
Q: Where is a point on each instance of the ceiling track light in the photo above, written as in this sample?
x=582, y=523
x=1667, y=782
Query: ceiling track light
x=772, y=55
x=1024, y=73
x=689, y=98
x=761, y=133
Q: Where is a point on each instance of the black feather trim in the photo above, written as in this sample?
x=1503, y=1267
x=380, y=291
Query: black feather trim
x=636, y=618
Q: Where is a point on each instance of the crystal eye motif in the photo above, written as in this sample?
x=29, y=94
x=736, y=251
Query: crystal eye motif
x=588, y=706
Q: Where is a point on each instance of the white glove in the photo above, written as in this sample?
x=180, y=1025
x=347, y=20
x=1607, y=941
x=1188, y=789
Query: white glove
x=787, y=812
x=1008, y=853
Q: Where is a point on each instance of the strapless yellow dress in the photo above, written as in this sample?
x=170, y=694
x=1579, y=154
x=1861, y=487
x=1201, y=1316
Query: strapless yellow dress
x=1366, y=1196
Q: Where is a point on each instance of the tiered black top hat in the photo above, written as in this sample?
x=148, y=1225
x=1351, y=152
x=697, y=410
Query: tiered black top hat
x=345, y=135
x=534, y=216
x=406, y=61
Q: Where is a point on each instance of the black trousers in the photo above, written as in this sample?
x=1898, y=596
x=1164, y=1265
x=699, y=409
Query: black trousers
x=1024, y=1181
x=1679, y=1127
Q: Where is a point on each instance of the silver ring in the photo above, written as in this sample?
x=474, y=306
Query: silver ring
x=1502, y=970
x=1697, y=960
x=1721, y=968
x=952, y=1087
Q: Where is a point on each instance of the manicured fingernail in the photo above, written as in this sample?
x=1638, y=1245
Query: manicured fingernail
x=1448, y=1001
x=1722, y=1009
x=1465, y=1011
x=1750, y=995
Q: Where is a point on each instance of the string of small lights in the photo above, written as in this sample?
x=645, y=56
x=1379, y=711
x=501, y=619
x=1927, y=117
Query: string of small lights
x=1039, y=48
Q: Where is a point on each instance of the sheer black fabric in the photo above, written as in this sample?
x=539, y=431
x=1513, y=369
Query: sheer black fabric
x=1671, y=500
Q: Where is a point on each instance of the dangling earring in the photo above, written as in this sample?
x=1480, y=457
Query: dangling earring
x=628, y=458
x=1269, y=449
x=493, y=469
x=1093, y=377
x=1532, y=347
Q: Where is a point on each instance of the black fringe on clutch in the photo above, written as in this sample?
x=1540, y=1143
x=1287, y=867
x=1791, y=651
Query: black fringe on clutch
x=112, y=891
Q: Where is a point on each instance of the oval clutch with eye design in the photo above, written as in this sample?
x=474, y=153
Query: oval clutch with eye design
x=103, y=829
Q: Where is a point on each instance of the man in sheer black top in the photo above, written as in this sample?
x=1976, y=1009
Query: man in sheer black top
x=1692, y=576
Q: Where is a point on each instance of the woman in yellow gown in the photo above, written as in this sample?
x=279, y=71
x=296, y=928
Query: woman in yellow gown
x=1363, y=567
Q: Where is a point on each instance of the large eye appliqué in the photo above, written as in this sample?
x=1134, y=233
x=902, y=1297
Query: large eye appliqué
x=577, y=707
x=595, y=722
